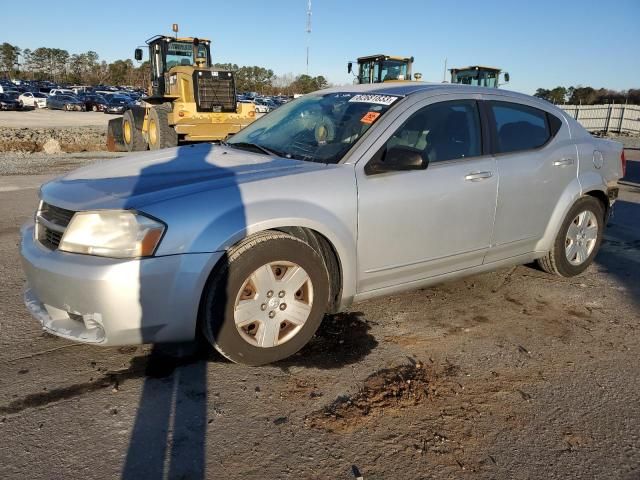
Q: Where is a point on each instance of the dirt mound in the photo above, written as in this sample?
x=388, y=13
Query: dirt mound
x=53, y=140
x=386, y=390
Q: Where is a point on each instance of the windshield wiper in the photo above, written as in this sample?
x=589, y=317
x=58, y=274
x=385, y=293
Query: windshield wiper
x=255, y=146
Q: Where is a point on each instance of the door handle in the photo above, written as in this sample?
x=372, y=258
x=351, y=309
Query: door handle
x=477, y=176
x=563, y=162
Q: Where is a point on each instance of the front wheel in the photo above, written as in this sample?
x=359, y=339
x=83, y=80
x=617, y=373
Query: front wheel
x=160, y=134
x=266, y=300
x=578, y=240
x=132, y=135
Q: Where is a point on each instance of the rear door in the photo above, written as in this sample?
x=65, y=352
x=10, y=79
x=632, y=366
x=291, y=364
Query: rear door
x=536, y=161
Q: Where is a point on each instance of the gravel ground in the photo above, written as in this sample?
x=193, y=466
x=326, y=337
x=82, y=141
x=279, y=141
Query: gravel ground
x=45, y=118
x=510, y=374
x=41, y=163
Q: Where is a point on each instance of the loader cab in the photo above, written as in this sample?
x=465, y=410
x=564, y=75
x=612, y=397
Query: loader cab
x=382, y=68
x=478, y=75
x=166, y=53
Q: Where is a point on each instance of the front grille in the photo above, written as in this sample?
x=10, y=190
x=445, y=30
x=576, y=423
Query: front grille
x=51, y=222
x=55, y=214
x=214, y=91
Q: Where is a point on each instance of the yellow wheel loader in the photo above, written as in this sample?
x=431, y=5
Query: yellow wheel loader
x=383, y=68
x=188, y=100
x=478, y=75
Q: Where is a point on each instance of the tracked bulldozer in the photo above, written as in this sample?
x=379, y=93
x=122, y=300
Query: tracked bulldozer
x=188, y=100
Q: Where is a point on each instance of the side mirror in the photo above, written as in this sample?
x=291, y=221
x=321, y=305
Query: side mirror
x=138, y=54
x=349, y=67
x=506, y=77
x=396, y=159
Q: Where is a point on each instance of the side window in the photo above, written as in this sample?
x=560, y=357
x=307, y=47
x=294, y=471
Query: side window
x=442, y=131
x=519, y=127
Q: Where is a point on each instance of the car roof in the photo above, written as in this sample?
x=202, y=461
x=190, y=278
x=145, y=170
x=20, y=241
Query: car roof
x=407, y=88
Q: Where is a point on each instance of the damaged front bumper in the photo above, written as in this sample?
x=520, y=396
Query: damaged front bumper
x=109, y=301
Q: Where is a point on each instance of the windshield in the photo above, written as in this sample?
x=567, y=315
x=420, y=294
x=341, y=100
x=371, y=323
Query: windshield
x=480, y=78
x=393, y=70
x=317, y=128
x=181, y=54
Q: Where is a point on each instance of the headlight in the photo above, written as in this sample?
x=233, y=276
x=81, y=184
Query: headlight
x=112, y=233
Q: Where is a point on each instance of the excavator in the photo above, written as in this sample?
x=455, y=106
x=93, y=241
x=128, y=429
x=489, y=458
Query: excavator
x=383, y=68
x=188, y=100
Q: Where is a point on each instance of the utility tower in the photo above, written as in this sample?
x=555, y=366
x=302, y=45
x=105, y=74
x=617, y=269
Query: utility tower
x=308, y=31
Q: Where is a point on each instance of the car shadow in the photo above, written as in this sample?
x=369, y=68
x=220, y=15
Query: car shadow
x=620, y=252
x=169, y=434
x=168, y=439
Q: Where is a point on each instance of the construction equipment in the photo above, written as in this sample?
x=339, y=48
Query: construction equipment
x=479, y=76
x=383, y=68
x=188, y=99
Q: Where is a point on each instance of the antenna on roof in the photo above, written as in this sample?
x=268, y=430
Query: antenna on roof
x=308, y=31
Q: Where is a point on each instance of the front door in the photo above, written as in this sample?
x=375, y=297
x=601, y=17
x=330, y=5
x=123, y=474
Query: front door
x=421, y=223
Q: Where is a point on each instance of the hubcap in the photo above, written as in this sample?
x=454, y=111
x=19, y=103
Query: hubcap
x=127, y=132
x=273, y=304
x=153, y=133
x=581, y=237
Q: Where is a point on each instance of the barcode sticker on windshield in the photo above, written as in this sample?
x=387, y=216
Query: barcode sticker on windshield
x=373, y=98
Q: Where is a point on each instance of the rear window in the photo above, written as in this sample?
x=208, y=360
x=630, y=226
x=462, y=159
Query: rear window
x=519, y=127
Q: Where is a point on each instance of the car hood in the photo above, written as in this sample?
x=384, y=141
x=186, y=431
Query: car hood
x=149, y=177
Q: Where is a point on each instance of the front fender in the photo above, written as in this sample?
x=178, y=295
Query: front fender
x=338, y=229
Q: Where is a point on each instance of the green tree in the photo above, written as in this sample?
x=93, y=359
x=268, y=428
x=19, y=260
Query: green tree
x=306, y=83
x=558, y=95
x=8, y=58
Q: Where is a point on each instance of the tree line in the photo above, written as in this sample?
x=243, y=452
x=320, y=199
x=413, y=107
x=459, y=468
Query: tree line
x=588, y=96
x=60, y=66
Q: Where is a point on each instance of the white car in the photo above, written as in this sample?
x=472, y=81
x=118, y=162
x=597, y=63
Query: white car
x=61, y=91
x=33, y=99
x=261, y=107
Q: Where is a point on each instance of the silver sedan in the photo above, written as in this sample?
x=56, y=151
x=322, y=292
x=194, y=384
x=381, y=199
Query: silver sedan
x=340, y=196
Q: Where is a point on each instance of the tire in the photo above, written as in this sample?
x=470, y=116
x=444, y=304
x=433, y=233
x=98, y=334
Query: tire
x=94, y=108
x=558, y=261
x=132, y=134
x=228, y=283
x=160, y=134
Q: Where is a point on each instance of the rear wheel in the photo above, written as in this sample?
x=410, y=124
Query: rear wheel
x=266, y=301
x=578, y=240
x=132, y=134
x=160, y=134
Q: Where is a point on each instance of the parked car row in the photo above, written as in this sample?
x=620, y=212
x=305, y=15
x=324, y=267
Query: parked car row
x=264, y=104
x=21, y=95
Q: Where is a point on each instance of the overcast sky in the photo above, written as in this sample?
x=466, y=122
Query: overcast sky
x=540, y=43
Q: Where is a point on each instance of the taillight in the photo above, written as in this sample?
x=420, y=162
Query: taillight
x=623, y=162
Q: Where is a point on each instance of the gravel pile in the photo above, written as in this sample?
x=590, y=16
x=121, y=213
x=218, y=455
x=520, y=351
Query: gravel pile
x=53, y=140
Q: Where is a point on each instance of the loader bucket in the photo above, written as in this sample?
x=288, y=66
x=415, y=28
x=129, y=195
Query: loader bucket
x=115, y=139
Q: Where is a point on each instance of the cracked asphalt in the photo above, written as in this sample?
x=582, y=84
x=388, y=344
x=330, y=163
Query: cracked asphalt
x=513, y=374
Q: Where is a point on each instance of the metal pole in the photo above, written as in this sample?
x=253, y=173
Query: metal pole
x=606, y=127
